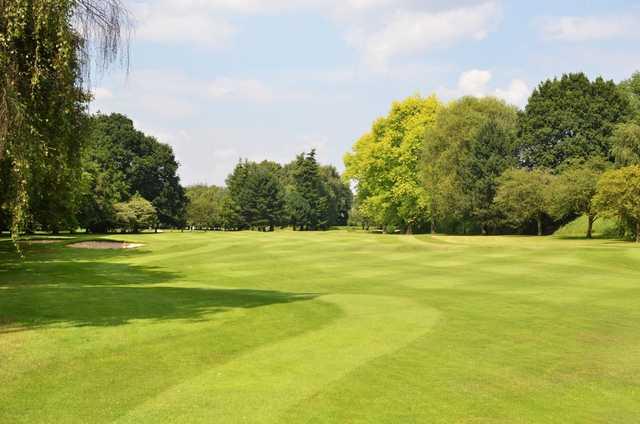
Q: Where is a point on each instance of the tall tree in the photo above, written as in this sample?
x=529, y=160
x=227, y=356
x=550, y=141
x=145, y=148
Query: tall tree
x=472, y=141
x=307, y=196
x=570, y=118
x=98, y=192
x=257, y=191
x=46, y=49
x=385, y=165
x=132, y=162
x=491, y=153
x=339, y=196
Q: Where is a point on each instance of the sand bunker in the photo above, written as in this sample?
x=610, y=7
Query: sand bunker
x=105, y=245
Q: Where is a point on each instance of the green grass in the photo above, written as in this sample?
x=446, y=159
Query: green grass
x=334, y=327
x=602, y=228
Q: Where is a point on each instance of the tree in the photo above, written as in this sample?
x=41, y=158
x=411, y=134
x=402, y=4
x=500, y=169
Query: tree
x=522, y=196
x=471, y=143
x=257, y=191
x=618, y=196
x=205, y=206
x=230, y=213
x=574, y=189
x=357, y=218
x=625, y=144
x=136, y=214
x=98, y=191
x=307, y=196
x=630, y=88
x=126, y=161
x=46, y=49
x=339, y=196
x=570, y=118
x=491, y=153
x=385, y=165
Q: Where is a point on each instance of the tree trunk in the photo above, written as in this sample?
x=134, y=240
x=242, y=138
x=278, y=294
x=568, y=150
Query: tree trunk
x=638, y=231
x=483, y=229
x=591, y=219
x=409, y=229
x=539, y=220
x=433, y=226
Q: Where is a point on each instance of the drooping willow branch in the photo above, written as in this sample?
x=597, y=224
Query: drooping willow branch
x=48, y=51
x=105, y=28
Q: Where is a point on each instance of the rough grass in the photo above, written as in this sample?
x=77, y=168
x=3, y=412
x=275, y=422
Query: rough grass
x=334, y=327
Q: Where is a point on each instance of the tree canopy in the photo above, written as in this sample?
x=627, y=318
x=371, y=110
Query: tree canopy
x=385, y=165
x=468, y=148
x=618, y=196
x=120, y=161
x=522, y=195
x=570, y=118
x=46, y=52
x=572, y=192
x=205, y=209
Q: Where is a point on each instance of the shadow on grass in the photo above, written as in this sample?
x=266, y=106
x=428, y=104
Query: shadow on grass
x=38, y=294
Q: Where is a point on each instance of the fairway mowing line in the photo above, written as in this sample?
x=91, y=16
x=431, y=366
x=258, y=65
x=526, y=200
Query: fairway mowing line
x=260, y=386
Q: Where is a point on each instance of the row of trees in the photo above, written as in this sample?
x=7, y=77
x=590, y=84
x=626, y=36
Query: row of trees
x=121, y=163
x=594, y=188
x=478, y=165
x=124, y=180
x=266, y=195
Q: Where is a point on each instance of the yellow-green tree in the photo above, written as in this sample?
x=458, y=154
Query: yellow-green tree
x=385, y=165
x=618, y=196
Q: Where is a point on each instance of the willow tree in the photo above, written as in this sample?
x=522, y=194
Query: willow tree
x=48, y=49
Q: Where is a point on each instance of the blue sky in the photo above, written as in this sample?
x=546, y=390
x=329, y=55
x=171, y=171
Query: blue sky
x=221, y=80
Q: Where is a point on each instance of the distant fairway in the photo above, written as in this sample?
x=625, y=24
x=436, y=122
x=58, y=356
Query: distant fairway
x=329, y=327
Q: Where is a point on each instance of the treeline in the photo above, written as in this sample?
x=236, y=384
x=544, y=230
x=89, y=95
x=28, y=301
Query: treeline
x=480, y=166
x=266, y=195
x=122, y=180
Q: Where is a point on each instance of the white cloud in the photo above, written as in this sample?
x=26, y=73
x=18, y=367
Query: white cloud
x=517, y=93
x=380, y=29
x=169, y=21
x=408, y=31
x=476, y=82
x=590, y=28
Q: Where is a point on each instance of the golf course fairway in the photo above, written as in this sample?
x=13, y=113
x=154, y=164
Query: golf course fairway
x=325, y=327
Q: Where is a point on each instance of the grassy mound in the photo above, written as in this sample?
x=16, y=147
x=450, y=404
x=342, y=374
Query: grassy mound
x=602, y=228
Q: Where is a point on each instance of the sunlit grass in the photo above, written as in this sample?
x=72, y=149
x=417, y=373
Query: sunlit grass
x=329, y=327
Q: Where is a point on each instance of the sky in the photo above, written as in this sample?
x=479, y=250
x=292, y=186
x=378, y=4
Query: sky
x=221, y=80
